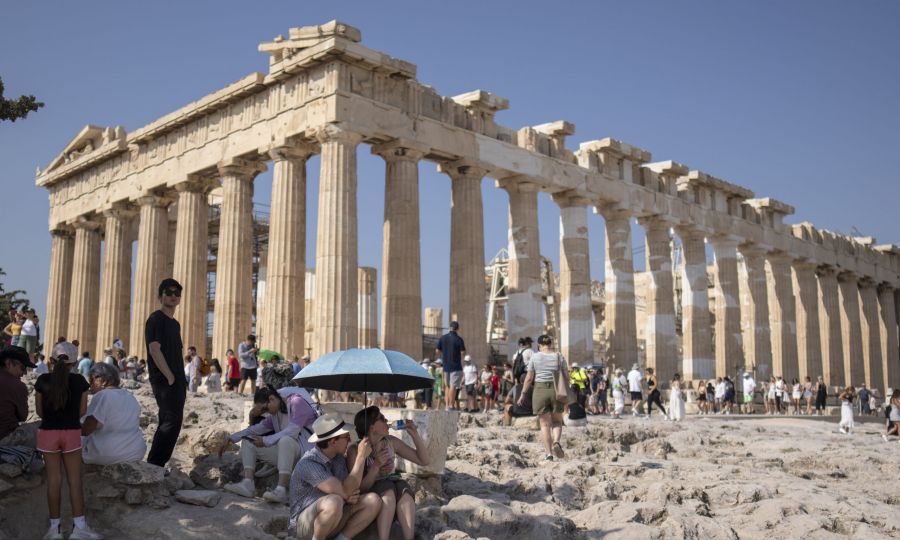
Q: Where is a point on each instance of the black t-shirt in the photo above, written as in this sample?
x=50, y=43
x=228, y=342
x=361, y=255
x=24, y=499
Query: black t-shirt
x=451, y=347
x=167, y=332
x=69, y=417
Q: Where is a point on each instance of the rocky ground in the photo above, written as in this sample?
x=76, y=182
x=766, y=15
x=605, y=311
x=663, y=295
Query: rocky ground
x=708, y=477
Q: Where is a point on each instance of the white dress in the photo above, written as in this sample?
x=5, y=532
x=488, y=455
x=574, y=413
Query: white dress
x=676, y=405
x=618, y=396
x=846, y=415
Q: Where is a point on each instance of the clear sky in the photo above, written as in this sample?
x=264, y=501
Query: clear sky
x=799, y=101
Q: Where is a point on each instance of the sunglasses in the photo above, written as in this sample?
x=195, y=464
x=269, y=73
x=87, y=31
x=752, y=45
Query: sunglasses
x=172, y=292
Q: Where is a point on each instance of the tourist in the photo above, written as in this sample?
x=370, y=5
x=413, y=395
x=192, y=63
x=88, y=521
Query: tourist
x=295, y=365
x=274, y=440
x=121, y=362
x=495, y=389
x=780, y=394
x=14, y=328
x=507, y=383
x=543, y=367
x=486, y=388
x=653, y=397
x=863, y=394
x=634, y=388
x=470, y=379
x=325, y=501
x=796, y=395
x=108, y=357
x=117, y=344
x=111, y=430
x=162, y=333
x=439, y=384
x=893, y=425
x=821, y=395
x=576, y=413
x=60, y=399
x=846, y=399
x=193, y=370
x=710, y=397
x=234, y=371
x=676, y=399
x=514, y=410
x=598, y=387
x=520, y=363
x=579, y=378
x=214, y=381
x=719, y=396
x=428, y=393
x=770, y=396
x=13, y=393
x=451, y=349
x=247, y=355
x=702, y=404
x=398, y=501
x=41, y=366
x=28, y=336
x=85, y=364
x=139, y=370
x=728, y=396
x=749, y=388
x=618, y=392
x=807, y=394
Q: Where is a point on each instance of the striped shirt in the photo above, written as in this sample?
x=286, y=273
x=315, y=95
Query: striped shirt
x=312, y=469
x=544, y=365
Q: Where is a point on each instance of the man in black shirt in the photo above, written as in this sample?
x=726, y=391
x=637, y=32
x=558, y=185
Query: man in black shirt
x=452, y=349
x=164, y=353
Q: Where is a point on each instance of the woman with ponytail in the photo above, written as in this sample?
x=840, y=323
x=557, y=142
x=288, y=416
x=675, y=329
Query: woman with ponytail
x=60, y=399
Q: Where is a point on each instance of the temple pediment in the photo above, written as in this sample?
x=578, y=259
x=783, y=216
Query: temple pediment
x=88, y=140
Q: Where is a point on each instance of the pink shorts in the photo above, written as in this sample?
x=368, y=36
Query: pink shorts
x=52, y=441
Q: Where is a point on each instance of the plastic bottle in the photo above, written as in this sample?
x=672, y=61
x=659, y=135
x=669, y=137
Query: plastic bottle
x=398, y=424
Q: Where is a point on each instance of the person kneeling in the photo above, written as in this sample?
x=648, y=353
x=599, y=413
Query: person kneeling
x=397, y=496
x=111, y=430
x=325, y=498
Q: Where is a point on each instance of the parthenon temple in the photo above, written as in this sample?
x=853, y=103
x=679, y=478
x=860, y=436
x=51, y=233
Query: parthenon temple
x=789, y=299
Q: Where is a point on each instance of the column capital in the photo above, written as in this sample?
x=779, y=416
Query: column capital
x=517, y=184
x=612, y=211
x=462, y=168
x=151, y=199
x=753, y=250
x=779, y=257
x=244, y=169
x=845, y=276
x=86, y=223
x=198, y=183
x=120, y=212
x=866, y=282
x=400, y=150
x=690, y=232
x=656, y=221
x=570, y=199
x=62, y=230
x=885, y=287
x=725, y=240
x=297, y=152
x=823, y=270
x=337, y=133
x=804, y=265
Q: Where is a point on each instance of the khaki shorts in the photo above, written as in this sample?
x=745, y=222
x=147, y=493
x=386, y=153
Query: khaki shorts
x=308, y=516
x=544, y=399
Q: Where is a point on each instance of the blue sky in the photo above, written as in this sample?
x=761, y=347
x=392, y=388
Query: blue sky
x=797, y=101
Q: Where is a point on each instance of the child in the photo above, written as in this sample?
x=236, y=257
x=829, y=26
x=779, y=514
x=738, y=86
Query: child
x=676, y=401
x=214, y=381
x=60, y=399
x=846, y=398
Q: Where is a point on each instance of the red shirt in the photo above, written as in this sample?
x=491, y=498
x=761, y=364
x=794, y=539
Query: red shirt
x=234, y=368
x=495, y=382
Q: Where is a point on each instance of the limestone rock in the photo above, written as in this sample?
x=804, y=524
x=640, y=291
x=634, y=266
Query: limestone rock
x=133, y=474
x=527, y=422
x=658, y=448
x=452, y=534
x=212, y=472
x=10, y=470
x=109, y=492
x=208, y=441
x=178, y=480
x=130, y=384
x=5, y=486
x=199, y=497
x=496, y=520
x=134, y=496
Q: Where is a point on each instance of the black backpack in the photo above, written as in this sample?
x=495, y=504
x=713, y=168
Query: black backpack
x=278, y=376
x=519, y=367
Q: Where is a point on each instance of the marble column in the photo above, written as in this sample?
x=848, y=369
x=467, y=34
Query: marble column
x=809, y=341
x=150, y=266
x=85, y=295
x=191, y=262
x=890, y=348
x=729, y=343
x=575, y=313
x=283, y=320
x=661, y=338
x=468, y=295
x=401, y=281
x=755, y=331
x=368, y=311
x=336, y=303
x=115, y=288
x=871, y=335
x=782, y=316
x=59, y=287
x=621, y=320
x=695, y=328
x=524, y=305
x=830, y=324
x=232, y=313
x=851, y=330
x=434, y=321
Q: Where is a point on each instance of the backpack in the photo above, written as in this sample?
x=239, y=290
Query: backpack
x=278, y=376
x=518, y=367
x=205, y=367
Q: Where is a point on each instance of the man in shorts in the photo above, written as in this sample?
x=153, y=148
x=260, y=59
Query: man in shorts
x=451, y=349
x=247, y=354
x=634, y=387
x=749, y=389
x=324, y=497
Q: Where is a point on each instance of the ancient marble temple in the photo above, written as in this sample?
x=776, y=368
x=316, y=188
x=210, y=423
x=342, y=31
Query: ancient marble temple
x=793, y=300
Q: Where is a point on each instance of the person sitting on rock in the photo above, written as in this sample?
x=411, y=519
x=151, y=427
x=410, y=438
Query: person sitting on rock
x=274, y=440
x=576, y=415
x=111, y=430
x=13, y=393
x=397, y=497
x=325, y=497
x=514, y=410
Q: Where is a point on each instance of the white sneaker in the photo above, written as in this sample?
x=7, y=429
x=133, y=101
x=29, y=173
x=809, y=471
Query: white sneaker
x=277, y=495
x=885, y=437
x=85, y=534
x=53, y=534
x=242, y=488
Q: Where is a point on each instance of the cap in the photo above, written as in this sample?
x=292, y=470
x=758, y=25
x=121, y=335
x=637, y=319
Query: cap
x=574, y=364
x=17, y=353
x=467, y=358
x=328, y=426
x=65, y=349
x=439, y=362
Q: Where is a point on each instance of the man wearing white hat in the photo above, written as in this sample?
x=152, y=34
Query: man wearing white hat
x=470, y=379
x=634, y=388
x=324, y=497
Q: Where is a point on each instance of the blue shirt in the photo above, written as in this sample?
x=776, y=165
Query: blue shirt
x=452, y=347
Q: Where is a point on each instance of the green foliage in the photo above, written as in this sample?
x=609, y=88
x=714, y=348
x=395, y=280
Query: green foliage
x=13, y=109
x=9, y=300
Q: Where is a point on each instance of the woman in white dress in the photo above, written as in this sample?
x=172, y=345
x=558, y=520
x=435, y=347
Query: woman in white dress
x=676, y=400
x=846, y=398
x=618, y=390
x=214, y=380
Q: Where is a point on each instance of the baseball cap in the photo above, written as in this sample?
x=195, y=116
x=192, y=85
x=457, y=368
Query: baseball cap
x=65, y=349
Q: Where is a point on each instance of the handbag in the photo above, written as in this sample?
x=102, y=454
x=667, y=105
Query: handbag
x=561, y=383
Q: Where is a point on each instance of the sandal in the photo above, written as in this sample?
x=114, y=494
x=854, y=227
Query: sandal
x=558, y=450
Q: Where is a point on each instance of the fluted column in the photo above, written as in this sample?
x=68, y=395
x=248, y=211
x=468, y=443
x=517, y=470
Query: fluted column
x=115, y=288
x=467, y=291
x=871, y=335
x=401, y=281
x=696, y=339
x=755, y=311
x=783, y=316
x=336, y=302
x=830, y=323
x=85, y=296
x=232, y=312
x=434, y=321
x=854, y=366
x=368, y=311
x=729, y=342
x=661, y=338
x=59, y=288
x=524, y=305
x=283, y=320
x=809, y=342
x=621, y=320
x=575, y=315
x=191, y=260
x=150, y=266
x=890, y=348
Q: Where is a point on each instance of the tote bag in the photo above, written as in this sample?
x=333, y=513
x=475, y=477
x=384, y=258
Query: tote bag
x=561, y=383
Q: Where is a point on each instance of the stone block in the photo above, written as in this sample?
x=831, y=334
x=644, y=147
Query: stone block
x=134, y=496
x=437, y=428
x=199, y=497
x=346, y=410
x=133, y=474
x=527, y=422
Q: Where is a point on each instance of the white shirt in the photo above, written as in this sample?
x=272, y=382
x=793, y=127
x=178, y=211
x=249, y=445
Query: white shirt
x=634, y=380
x=720, y=390
x=749, y=385
x=470, y=373
x=779, y=387
x=118, y=436
x=28, y=328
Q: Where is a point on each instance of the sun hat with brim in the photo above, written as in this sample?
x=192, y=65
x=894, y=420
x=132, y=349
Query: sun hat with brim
x=67, y=349
x=328, y=426
x=18, y=353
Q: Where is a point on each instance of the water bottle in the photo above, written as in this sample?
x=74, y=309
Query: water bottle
x=398, y=424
